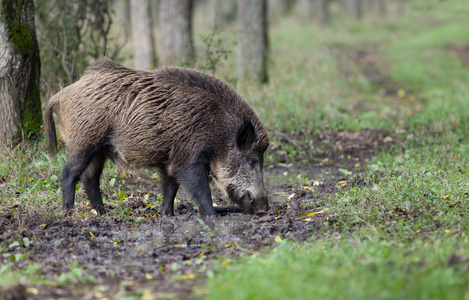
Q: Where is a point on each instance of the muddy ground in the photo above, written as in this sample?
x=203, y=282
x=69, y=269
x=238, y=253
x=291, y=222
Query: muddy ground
x=168, y=257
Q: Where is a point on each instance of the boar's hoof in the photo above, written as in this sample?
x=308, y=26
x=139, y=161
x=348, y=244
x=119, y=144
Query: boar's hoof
x=101, y=210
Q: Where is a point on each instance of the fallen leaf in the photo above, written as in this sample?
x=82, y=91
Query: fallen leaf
x=278, y=239
x=307, y=219
x=224, y=263
x=447, y=231
x=188, y=276
x=343, y=183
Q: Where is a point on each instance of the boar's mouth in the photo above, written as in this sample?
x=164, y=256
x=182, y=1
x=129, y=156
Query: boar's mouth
x=246, y=202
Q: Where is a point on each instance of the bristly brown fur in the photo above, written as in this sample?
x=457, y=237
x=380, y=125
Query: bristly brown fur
x=164, y=118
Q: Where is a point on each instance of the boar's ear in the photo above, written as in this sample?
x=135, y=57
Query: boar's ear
x=246, y=136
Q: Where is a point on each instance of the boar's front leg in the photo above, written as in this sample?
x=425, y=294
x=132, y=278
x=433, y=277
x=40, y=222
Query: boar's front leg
x=195, y=178
x=90, y=180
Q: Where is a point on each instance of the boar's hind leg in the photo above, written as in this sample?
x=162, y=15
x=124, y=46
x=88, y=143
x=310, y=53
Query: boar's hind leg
x=195, y=179
x=90, y=180
x=70, y=174
x=170, y=188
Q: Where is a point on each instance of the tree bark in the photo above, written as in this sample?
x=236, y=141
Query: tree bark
x=306, y=9
x=142, y=35
x=355, y=9
x=175, y=32
x=252, y=48
x=20, y=68
x=323, y=12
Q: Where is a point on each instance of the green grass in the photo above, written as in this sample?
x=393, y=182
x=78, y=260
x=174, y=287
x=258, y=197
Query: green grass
x=350, y=267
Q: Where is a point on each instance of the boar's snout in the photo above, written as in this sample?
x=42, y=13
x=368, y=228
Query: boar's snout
x=255, y=205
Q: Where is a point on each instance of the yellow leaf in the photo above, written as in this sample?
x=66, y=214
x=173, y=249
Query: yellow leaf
x=447, y=231
x=148, y=276
x=278, y=216
x=94, y=212
x=307, y=219
x=401, y=93
x=43, y=225
x=224, y=263
x=444, y=197
x=311, y=214
x=343, y=183
x=316, y=183
x=311, y=188
x=291, y=196
x=278, y=239
x=32, y=290
x=146, y=293
x=188, y=276
x=122, y=175
x=201, y=254
x=91, y=235
x=177, y=245
x=279, y=211
x=357, y=165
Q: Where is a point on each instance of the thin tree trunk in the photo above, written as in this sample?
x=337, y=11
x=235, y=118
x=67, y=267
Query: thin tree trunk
x=175, y=32
x=323, y=12
x=382, y=9
x=355, y=9
x=20, y=68
x=306, y=9
x=252, y=48
x=142, y=35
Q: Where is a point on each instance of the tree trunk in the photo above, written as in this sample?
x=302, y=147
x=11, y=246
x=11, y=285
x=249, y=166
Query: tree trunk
x=175, y=32
x=252, y=45
x=323, y=12
x=399, y=6
x=355, y=9
x=142, y=35
x=306, y=9
x=20, y=68
x=382, y=9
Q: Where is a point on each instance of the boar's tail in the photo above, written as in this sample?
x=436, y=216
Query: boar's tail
x=49, y=125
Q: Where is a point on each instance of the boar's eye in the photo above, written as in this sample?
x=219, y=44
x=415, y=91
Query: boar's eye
x=253, y=162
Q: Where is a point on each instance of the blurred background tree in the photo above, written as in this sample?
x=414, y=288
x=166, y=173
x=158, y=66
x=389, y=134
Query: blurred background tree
x=252, y=40
x=142, y=35
x=175, y=32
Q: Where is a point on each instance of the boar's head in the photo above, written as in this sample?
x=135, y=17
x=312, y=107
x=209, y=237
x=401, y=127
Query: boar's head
x=239, y=173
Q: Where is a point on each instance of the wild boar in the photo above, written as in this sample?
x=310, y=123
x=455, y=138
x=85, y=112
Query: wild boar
x=188, y=125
